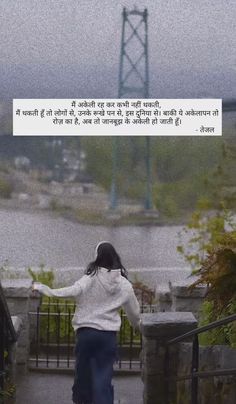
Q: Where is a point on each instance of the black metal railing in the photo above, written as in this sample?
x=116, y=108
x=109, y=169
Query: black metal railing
x=195, y=374
x=52, y=344
x=7, y=337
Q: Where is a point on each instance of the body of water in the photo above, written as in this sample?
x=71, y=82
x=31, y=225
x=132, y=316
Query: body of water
x=31, y=239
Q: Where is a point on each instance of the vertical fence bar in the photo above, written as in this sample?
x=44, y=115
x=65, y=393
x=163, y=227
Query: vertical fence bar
x=194, y=368
x=37, y=337
x=120, y=339
x=2, y=348
x=167, y=374
x=48, y=336
x=58, y=305
x=142, y=308
x=66, y=327
x=58, y=336
x=141, y=347
x=131, y=347
x=68, y=338
x=151, y=308
x=5, y=351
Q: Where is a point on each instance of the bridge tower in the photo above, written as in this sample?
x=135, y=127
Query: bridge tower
x=133, y=81
x=133, y=71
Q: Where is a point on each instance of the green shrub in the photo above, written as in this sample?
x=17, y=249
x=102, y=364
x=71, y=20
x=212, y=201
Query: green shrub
x=8, y=392
x=224, y=335
x=4, y=167
x=206, y=230
x=6, y=189
x=44, y=276
x=164, y=200
x=211, y=250
x=218, y=272
x=173, y=197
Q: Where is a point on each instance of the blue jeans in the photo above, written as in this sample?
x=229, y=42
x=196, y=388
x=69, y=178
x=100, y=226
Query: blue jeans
x=95, y=355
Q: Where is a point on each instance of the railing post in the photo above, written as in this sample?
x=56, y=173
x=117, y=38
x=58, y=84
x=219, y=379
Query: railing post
x=157, y=329
x=2, y=340
x=195, y=362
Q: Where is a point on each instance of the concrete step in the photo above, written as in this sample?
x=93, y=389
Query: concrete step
x=45, y=388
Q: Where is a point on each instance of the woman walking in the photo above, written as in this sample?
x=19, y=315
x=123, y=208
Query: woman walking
x=99, y=295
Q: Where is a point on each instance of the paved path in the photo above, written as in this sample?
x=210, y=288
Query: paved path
x=41, y=388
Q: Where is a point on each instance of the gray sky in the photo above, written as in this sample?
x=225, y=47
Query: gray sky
x=52, y=46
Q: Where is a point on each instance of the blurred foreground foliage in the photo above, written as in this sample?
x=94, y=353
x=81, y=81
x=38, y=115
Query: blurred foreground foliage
x=211, y=251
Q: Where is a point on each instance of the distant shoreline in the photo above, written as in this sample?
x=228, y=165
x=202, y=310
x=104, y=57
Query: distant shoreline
x=86, y=217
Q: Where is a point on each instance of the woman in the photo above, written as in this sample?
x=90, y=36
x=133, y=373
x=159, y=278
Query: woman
x=99, y=295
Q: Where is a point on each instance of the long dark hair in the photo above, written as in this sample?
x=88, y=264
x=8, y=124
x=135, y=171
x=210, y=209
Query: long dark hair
x=107, y=257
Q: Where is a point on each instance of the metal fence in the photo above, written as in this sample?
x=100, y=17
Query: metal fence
x=195, y=374
x=7, y=337
x=53, y=342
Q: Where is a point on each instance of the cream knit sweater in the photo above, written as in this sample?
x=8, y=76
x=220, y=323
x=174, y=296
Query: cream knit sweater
x=98, y=300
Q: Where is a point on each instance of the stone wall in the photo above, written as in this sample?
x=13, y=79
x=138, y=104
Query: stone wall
x=171, y=285
x=66, y=276
x=20, y=301
x=213, y=390
x=177, y=296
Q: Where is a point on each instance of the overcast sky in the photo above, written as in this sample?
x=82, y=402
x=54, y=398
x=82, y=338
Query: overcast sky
x=39, y=37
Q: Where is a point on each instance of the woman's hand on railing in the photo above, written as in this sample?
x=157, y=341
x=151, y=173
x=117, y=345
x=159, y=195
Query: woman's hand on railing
x=36, y=286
